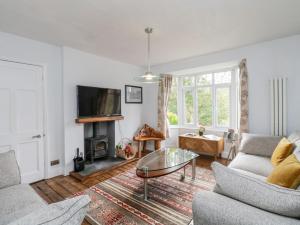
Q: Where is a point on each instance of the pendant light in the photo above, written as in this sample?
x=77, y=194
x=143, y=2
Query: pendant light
x=148, y=77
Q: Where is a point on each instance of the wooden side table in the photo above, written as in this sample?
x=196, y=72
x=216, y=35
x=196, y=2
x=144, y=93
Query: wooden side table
x=142, y=141
x=206, y=144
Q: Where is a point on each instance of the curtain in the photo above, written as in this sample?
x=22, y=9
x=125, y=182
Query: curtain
x=243, y=97
x=164, y=90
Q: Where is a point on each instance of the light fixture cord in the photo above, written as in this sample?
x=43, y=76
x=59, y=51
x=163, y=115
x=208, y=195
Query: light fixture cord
x=148, y=33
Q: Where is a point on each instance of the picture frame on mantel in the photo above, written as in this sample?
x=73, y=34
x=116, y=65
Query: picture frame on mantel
x=133, y=94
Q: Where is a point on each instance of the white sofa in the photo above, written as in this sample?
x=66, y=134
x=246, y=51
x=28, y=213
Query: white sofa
x=21, y=205
x=253, y=163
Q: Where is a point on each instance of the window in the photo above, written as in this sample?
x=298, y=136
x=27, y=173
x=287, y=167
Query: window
x=206, y=99
x=205, y=106
x=223, y=106
x=188, y=106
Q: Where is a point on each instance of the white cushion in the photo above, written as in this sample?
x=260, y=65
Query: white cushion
x=294, y=137
x=255, y=164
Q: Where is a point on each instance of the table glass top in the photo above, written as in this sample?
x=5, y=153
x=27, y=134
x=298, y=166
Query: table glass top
x=165, y=158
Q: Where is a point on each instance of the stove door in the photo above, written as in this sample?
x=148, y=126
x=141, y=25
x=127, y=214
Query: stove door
x=100, y=149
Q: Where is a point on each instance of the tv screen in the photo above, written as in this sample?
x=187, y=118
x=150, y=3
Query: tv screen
x=92, y=101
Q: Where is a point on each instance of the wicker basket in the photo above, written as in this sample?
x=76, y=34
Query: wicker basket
x=125, y=150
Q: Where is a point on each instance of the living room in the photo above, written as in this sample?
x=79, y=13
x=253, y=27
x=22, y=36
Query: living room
x=200, y=126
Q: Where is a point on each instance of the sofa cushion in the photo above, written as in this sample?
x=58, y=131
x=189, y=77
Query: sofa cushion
x=68, y=212
x=9, y=169
x=282, y=151
x=287, y=173
x=255, y=164
x=17, y=201
x=294, y=137
x=255, y=192
x=257, y=144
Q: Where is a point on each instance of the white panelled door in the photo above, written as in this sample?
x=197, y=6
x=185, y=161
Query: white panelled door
x=21, y=117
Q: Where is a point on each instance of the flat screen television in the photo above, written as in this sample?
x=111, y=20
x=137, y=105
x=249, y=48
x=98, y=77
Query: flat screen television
x=97, y=102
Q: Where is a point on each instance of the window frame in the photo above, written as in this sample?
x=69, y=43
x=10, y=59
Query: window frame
x=233, y=100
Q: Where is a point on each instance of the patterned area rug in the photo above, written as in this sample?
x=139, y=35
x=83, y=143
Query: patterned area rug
x=119, y=200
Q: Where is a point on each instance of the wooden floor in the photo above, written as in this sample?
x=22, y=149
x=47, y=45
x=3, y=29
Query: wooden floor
x=59, y=188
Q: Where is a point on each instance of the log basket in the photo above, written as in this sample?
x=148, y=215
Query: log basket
x=125, y=149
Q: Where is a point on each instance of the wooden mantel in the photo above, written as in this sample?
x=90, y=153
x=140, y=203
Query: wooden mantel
x=98, y=119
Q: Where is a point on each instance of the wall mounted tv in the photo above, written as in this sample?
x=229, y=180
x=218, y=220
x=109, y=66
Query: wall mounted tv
x=97, y=102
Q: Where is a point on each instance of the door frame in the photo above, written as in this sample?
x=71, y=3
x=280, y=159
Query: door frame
x=45, y=104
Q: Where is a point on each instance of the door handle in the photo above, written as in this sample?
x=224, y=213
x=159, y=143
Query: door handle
x=36, y=136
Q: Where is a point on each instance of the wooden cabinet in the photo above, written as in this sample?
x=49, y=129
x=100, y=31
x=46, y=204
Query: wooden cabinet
x=202, y=144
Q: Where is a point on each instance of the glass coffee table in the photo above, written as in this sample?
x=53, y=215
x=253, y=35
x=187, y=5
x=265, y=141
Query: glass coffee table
x=163, y=162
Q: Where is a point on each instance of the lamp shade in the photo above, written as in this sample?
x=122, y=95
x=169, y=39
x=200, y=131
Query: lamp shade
x=148, y=77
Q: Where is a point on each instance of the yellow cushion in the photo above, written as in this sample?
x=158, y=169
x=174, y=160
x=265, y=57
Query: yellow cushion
x=283, y=150
x=287, y=173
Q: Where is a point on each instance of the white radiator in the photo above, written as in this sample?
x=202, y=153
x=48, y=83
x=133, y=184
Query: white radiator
x=278, y=106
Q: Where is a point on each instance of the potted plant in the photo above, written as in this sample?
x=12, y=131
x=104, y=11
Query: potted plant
x=201, y=130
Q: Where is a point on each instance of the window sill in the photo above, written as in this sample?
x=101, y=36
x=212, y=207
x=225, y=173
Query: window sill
x=210, y=129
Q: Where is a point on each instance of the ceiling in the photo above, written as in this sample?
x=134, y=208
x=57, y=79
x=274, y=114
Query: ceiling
x=182, y=29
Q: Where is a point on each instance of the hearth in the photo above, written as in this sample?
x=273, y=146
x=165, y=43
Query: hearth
x=96, y=148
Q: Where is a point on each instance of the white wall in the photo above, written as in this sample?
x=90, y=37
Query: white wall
x=67, y=68
x=265, y=60
x=25, y=50
x=86, y=69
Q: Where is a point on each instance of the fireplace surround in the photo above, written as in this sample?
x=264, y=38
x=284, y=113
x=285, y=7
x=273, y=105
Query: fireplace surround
x=99, y=147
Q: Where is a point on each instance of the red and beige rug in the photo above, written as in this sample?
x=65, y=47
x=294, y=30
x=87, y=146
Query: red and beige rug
x=119, y=200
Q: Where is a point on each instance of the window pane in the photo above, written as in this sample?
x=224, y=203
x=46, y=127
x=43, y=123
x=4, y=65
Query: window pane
x=223, y=106
x=172, y=104
x=205, y=79
x=188, y=81
x=205, y=106
x=188, y=106
x=223, y=77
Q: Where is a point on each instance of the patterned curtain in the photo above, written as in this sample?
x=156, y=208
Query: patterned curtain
x=164, y=90
x=244, y=108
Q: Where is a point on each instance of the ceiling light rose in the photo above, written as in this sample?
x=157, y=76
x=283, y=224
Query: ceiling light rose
x=148, y=77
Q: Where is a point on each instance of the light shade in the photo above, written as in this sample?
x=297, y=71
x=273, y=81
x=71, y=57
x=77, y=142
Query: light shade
x=148, y=78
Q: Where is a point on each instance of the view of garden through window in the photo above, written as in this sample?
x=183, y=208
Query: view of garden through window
x=204, y=100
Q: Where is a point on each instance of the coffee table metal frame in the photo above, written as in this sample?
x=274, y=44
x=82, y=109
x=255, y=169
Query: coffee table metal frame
x=145, y=169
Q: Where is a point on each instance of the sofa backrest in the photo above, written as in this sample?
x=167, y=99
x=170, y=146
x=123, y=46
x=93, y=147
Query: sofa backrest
x=257, y=144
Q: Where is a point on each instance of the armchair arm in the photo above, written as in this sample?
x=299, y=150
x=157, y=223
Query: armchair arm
x=68, y=212
x=210, y=208
x=256, y=144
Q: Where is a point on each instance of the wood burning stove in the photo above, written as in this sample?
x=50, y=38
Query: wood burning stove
x=96, y=148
